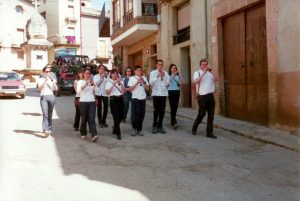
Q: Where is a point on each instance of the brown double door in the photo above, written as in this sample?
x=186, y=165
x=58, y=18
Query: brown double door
x=245, y=65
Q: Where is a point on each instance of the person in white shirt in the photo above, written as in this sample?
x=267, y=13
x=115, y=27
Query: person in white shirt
x=205, y=87
x=115, y=89
x=138, y=85
x=102, y=109
x=159, y=80
x=87, y=106
x=80, y=74
x=46, y=85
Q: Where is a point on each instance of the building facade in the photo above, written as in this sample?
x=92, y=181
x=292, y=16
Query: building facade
x=249, y=43
x=134, y=32
x=13, y=33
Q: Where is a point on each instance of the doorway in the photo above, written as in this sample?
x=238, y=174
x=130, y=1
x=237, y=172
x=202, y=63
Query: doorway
x=185, y=71
x=245, y=65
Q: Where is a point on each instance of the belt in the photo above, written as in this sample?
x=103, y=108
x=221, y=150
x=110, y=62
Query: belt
x=207, y=94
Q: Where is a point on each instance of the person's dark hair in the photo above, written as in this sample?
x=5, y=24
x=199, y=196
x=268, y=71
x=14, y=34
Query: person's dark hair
x=113, y=71
x=159, y=60
x=80, y=70
x=44, y=69
x=137, y=67
x=203, y=60
x=171, y=67
x=128, y=68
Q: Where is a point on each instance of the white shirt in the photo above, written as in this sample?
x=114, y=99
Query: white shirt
x=87, y=94
x=116, y=90
x=139, y=91
x=207, y=84
x=159, y=87
x=48, y=86
x=100, y=82
x=78, y=88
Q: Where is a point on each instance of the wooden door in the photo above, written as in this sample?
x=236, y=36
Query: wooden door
x=245, y=65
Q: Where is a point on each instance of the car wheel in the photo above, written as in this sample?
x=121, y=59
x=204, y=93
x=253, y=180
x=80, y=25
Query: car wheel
x=22, y=96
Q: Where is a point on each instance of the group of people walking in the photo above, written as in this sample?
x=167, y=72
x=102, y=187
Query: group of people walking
x=95, y=94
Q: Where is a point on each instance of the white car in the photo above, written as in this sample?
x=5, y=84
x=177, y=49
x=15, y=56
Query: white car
x=11, y=85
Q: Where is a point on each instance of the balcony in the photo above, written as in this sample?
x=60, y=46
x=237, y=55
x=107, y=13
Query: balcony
x=182, y=36
x=69, y=41
x=70, y=20
x=116, y=26
x=128, y=16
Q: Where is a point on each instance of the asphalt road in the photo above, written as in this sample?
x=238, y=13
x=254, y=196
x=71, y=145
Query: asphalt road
x=172, y=167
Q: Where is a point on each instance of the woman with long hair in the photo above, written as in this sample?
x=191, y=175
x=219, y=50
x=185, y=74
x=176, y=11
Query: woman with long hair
x=127, y=94
x=174, y=92
x=87, y=106
x=46, y=85
x=115, y=89
x=77, y=89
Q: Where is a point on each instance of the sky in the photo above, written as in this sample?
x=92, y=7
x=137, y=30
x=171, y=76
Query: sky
x=97, y=4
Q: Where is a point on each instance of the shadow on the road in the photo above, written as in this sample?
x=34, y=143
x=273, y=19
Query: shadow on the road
x=86, y=158
x=30, y=132
x=31, y=114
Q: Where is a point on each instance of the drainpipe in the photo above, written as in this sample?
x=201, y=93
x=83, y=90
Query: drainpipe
x=80, y=28
x=206, y=29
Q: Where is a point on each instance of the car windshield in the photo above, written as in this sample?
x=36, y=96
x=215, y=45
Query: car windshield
x=9, y=76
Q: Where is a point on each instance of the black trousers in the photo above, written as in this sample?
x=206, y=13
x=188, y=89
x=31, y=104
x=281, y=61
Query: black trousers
x=159, y=106
x=77, y=114
x=88, y=114
x=117, y=111
x=138, y=108
x=102, y=106
x=174, y=100
x=206, y=105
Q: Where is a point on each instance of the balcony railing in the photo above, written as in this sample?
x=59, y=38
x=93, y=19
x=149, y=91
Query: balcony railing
x=116, y=25
x=128, y=16
x=181, y=37
x=70, y=19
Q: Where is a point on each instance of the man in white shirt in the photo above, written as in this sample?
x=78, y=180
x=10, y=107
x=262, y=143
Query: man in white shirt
x=205, y=87
x=138, y=85
x=159, y=80
x=100, y=80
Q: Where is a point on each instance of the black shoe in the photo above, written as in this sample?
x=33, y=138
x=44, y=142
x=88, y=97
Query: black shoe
x=154, y=130
x=161, y=130
x=124, y=121
x=194, y=132
x=212, y=136
x=101, y=125
x=175, y=126
x=119, y=137
x=105, y=125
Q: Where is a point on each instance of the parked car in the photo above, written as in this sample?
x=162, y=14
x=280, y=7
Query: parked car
x=11, y=85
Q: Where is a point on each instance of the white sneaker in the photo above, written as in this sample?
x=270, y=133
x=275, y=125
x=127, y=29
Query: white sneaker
x=133, y=133
x=46, y=134
x=141, y=133
x=83, y=137
x=95, y=138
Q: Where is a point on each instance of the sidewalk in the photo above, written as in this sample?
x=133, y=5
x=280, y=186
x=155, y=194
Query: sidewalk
x=245, y=129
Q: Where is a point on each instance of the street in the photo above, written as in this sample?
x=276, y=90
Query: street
x=176, y=166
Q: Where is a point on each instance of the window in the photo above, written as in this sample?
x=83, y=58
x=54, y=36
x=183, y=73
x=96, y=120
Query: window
x=149, y=9
x=71, y=12
x=39, y=57
x=43, y=14
x=19, y=36
x=71, y=31
x=70, y=0
x=20, y=55
x=128, y=5
x=19, y=9
x=116, y=14
x=183, y=16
